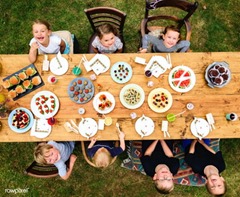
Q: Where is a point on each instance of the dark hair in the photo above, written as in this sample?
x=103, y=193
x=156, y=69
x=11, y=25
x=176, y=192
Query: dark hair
x=106, y=29
x=172, y=28
x=43, y=22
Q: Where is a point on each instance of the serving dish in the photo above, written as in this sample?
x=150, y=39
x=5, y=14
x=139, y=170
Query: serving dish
x=121, y=72
x=182, y=79
x=81, y=90
x=104, y=102
x=44, y=104
x=26, y=117
x=160, y=100
x=132, y=96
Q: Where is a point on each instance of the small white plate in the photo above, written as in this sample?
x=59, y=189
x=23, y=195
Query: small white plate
x=59, y=65
x=182, y=79
x=97, y=102
x=138, y=90
x=34, y=106
x=41, y=128
x=88, y=127
x=144, y=126
x=200, y=128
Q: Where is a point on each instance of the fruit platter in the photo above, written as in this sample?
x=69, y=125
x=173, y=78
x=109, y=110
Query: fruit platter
x=182, y=79
x=81, y=90
x=121, y=72
x=20, y=120
x=160, y=100
x=44, y=104
x=23, y=82
x=103, y=102
x=218, y=74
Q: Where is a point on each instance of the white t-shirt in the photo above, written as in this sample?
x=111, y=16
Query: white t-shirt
x=53, y=46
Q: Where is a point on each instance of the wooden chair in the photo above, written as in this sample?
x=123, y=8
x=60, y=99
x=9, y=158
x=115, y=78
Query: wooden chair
x=163, y=16
x=100, y=15
x=86, y=157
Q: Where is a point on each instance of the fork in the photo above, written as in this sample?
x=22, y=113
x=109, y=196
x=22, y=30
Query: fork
x=118, y=126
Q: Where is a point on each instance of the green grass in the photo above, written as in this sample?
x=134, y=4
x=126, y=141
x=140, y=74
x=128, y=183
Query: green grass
x=215, y=28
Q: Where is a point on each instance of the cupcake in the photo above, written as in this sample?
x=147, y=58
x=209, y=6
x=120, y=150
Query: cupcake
x=14, y=80
x=30, y=71
x=20, y=89
x=22, y=75
x=27, y=84
x=36, y=80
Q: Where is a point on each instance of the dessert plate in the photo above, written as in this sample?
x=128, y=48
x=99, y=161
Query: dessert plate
x=160, y=100
x=132, y=96
x=182, y=79
x=44, y=104
x=104, y=102
x=19, y=130
x=121, y=72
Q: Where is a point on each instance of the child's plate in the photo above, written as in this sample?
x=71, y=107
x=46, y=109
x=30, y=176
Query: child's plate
x=59, y=65
x=121, y=72
x=41, y=128
x=144, y=126
x=88, y=127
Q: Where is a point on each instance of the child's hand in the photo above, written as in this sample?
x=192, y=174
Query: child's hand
x=141, y=50
x=121, y=135
x=34, y=46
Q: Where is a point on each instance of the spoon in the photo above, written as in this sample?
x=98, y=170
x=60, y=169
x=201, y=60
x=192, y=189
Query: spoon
x=118, y=126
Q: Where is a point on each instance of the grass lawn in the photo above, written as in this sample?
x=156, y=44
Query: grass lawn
x=215, y=28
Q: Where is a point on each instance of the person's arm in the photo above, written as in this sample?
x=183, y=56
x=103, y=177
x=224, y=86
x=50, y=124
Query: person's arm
x=151, y=148
x=71, y=164
x=206, y=146
x=166, y=149
x=119, y=51
x=192, y=146
x=93, y=140
x=183, y=45
x=122, y=141
x=32, y=56
x=62, y=46
x=146, y=40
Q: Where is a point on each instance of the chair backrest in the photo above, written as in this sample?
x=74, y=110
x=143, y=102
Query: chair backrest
x=99, y=15
x=88, y=160
x=67, y=37
x=186, y=7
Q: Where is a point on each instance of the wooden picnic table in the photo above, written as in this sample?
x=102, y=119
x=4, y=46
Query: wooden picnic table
x=218, y=101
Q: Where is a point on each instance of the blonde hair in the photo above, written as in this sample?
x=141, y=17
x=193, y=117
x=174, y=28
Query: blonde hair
x=102, y=158
x=163, y=190
x=43, y=22
x=41, y=151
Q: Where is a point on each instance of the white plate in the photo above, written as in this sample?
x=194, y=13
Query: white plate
x=97, y=102
x=157, y=65
x=167, y=103
x=34, y=107
x=121, y=72
x=200, y=128
x=88, y=127
x=138, y=89
x=41, y=128
x=179, y=84
x=144, y=126
x=99, y=63
x=15, y=129
x=56, y=68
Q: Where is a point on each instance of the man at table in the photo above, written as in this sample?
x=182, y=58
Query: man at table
x=208, y=163
x=159, y=163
